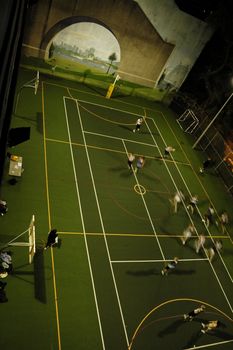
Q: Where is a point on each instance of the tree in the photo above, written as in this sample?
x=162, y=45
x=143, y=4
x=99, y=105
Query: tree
x=112, y=57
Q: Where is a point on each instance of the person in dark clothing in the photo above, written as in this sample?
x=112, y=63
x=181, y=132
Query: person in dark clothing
x=190, y=316
x=169, y=266
x=207, y=164
x=3, y=298
x=3, y=207
x=52, y=238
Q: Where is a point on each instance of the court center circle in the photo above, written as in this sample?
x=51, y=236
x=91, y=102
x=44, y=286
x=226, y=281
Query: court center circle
x=140, y=189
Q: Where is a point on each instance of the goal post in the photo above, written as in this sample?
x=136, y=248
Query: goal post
x=188, y=121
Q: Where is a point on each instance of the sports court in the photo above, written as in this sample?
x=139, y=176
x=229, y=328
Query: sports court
x=102, y=287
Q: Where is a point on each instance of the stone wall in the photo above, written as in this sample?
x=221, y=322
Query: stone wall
x=143, y=52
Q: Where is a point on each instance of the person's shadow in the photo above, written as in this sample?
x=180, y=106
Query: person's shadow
x=172, y=328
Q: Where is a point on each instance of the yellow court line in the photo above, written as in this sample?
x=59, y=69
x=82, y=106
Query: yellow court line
x=169, y=302
x=49, y=222
x=102, y=97
x=132, y=235
x=116, y=151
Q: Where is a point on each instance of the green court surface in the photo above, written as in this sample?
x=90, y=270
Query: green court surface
x=102, y=287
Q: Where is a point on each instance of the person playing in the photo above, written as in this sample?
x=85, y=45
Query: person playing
x=190, y=316
x=138, y=124
x=207, y=164
x=131, y=158
x=211, y=251
x=199, y=243
x=3, y=207
x=52, y=238
x=209, y=326
x=140, y=163
x=170, y=266
x=187, y=233
x=168, y=150
x=192, y=203
x=209, y=216
x=3, y=298
x=224, y=220
x=178, y=197
x=6, y=261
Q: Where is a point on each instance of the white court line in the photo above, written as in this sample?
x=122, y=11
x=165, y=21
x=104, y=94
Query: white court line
x=207, y=229
x=221, y=287
x=154, y=260
x=102, y=226
x=83, y=225
x=119, y=138
x=108, y=107
x=209, y=345
x=148, y=213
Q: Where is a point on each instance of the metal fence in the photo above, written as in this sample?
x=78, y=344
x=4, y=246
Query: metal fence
x=212, y=143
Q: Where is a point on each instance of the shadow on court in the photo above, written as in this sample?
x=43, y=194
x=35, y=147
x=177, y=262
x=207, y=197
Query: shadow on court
x=172, y=328
x=126, y=127
x=39, y=276
x=143, y=273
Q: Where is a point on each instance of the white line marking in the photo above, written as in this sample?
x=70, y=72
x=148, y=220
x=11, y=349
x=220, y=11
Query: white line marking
x=119, y=138
x=148, y=213
x=83, y=225
x=103, y=228
x=209, y=345
x=154, y=260
x=189, y=215
x=104, y=106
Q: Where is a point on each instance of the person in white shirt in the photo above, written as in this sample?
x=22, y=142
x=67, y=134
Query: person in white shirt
x=178, y=197
x=131, y=159
x=168, y=150
x=199, y=243
x=187, y=233
x=138, y=124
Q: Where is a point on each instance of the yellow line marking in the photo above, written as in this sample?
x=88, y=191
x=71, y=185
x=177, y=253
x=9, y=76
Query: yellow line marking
x=49, y=221
x=132, y=235
x=169, y=302
x=100, y=117
x=116, y=151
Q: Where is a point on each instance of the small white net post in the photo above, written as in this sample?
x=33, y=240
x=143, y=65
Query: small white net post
x=31, y=243
x=32, y=239
x=188, y=121
x=37, y=82
x=34, y=83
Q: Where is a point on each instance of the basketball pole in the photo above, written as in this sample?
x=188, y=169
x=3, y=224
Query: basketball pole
x=111, y=87
x=212, y=121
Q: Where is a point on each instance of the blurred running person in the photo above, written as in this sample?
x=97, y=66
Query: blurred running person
x=192, y=203
x=209, y=216
x=187, y=233
x=170, y=266
x=178, y=197
x=168, y=150
x=199, y=243
x=224, y=220
x=190, y=316
x=138, y=124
